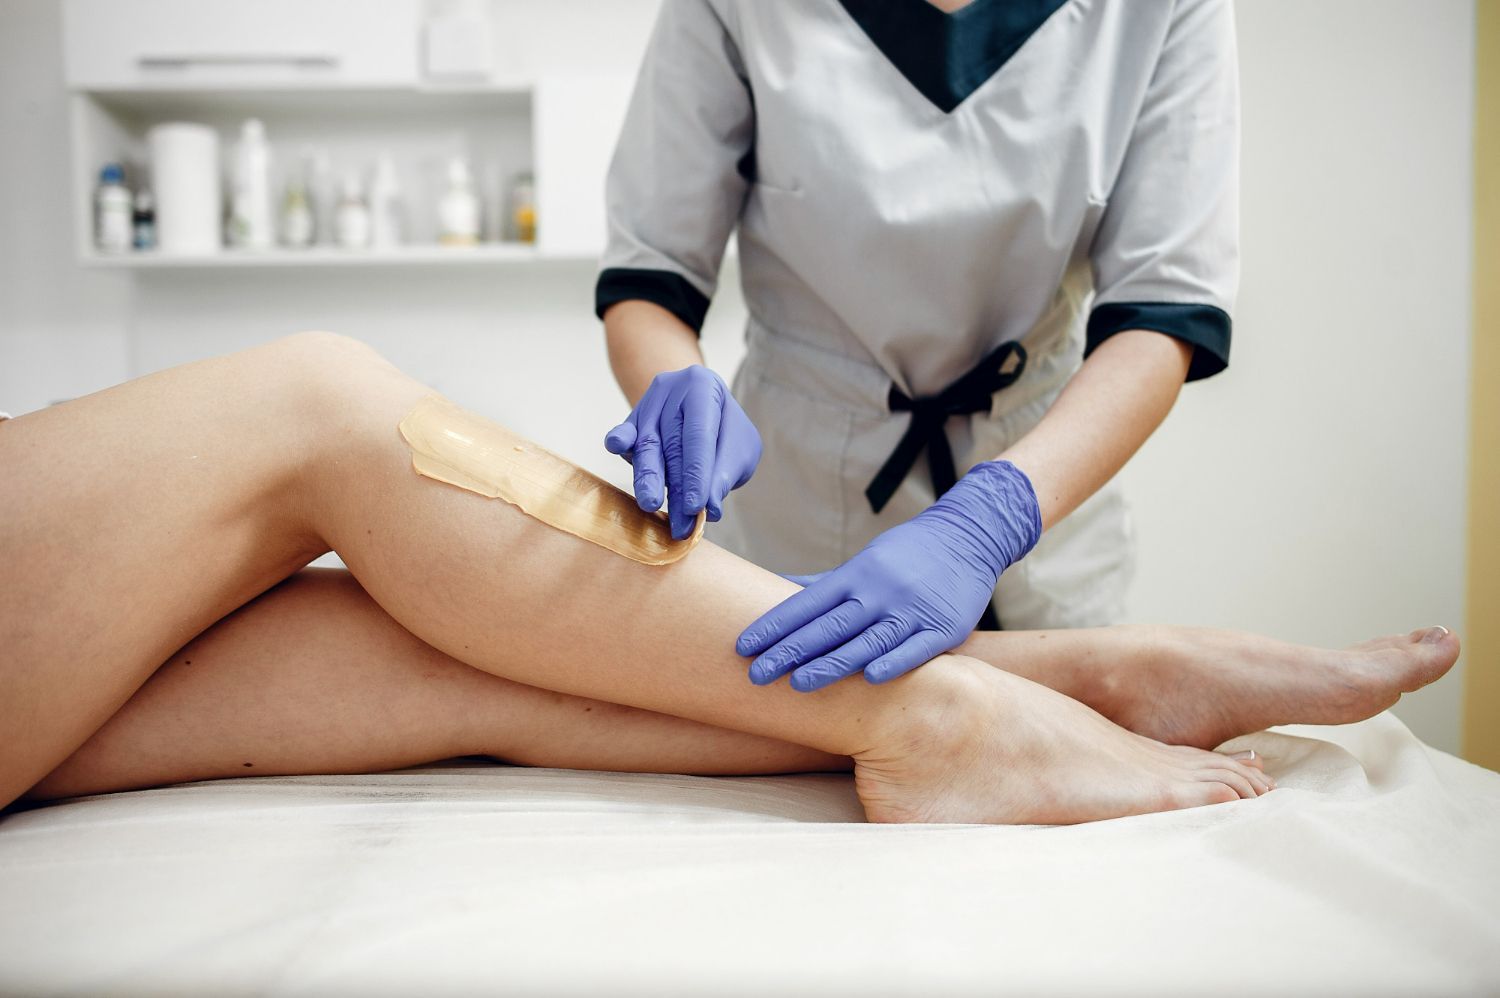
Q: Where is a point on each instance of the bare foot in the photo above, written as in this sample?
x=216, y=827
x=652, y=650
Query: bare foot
x=1195, y=686
x=1000, y=749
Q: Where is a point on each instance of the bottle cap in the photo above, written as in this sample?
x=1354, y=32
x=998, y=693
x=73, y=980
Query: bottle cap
x=113, y=173
x=253, y=130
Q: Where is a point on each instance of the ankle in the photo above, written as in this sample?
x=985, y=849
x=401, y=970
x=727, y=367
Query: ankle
x=1118, y=670
x=931, y=707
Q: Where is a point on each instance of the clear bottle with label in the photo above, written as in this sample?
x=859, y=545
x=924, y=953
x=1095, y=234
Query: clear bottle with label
x=458, y=209
x=113, y=211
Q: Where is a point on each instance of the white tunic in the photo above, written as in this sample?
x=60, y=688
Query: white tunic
x=913, y=189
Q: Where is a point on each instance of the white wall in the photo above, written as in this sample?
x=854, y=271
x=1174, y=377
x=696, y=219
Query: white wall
x=1314, y=492
x=63, y=331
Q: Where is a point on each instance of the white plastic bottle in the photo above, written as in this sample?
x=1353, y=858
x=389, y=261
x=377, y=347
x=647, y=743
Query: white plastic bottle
x=296, y=215
x=113, y=211
x=351, y=221
x=458, y=210
x=386, y=212
x=250, y=225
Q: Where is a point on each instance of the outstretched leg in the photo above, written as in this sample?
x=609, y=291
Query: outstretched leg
x=313, y=677
x=1199, y=686
x=204, y=485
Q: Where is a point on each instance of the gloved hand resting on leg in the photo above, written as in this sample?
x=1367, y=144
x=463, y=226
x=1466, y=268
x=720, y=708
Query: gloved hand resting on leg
x=688, y=440
x=914, y=592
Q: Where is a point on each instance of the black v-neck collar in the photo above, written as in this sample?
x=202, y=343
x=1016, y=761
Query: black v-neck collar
x=949, y=56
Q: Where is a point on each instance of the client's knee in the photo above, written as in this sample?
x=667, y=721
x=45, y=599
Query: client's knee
x=325, y=395
x=327, y=375
x=323, y=356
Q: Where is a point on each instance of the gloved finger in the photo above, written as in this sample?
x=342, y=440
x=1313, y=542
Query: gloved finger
x=916, y=650
x=718, y=489
x=621, y=439
x=804, y=580
x=672, y=457
x=788, y=615
x=650, y=469
x=822, y=635
x=880, y=638
x=701, y=410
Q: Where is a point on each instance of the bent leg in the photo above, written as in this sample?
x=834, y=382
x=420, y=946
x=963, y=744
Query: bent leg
x=313, y=677
x=494, y=588
x=132, y=519
x=504, y=592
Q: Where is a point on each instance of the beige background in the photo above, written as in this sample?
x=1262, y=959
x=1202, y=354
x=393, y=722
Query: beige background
x=1482, y=709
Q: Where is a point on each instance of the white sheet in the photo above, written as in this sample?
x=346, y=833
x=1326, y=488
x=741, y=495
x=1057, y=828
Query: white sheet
x=1374, y=869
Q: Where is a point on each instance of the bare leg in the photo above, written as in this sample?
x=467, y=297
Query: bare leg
x=313, y=677
x=180, y=496
x=1197, y=686
x=130, y=521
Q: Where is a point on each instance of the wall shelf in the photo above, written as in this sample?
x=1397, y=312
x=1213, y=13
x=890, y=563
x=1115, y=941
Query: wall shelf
x=342, y=99
x=324, y=256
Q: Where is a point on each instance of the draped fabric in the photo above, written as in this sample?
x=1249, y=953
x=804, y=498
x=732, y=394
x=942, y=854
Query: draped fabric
x=1373, y=869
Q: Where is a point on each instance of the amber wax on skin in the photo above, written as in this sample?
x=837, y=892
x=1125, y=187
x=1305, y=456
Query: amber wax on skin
x=457, y=447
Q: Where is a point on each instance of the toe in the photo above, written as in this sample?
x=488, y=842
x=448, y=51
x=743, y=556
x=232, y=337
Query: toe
x=1232, y=778
x=1256, y=775
x=1194, y=791
x=1217, y=793
x=1254, y=766
x=1431, y=652
x=1249, y=758
x=1224, y=793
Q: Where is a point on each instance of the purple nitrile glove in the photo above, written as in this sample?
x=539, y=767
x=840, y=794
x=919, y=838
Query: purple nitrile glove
x=914, y=592
x=690, y=440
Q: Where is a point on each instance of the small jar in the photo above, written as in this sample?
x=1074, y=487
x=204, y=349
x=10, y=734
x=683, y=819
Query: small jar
x=523, y=209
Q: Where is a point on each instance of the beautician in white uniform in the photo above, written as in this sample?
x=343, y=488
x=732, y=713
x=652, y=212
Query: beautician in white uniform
x=1002, y=235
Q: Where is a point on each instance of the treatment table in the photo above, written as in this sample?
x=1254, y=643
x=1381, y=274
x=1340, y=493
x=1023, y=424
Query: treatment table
x=1373, y=869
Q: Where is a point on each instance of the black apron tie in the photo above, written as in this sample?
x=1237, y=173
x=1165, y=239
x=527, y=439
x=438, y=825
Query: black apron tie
x=929, y=417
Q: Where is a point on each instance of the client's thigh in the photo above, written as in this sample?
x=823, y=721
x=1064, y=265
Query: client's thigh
x=132, y=519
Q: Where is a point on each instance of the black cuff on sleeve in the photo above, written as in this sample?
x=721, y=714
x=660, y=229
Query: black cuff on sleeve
x=661, y=287
x=1206, y=327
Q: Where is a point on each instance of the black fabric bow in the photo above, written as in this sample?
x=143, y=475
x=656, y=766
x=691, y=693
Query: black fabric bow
x=929, y=418
x=970, y=393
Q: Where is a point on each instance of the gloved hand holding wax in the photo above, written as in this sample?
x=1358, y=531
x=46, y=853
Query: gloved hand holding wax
x=914, y=592
x=691, y=445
